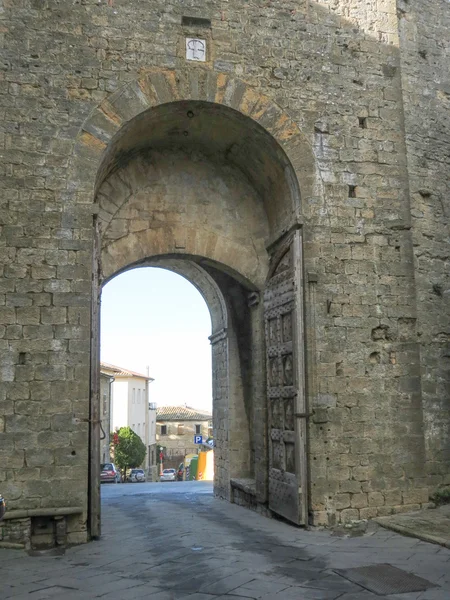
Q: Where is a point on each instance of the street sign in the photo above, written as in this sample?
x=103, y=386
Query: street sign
x=198, y=439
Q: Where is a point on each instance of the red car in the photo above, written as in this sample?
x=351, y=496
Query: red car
x=109, y=473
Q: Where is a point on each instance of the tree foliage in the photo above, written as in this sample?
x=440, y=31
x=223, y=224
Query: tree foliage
x=130, y=451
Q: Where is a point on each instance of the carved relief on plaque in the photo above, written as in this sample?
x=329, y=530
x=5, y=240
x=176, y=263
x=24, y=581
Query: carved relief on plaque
x=288, y=370
x=289, y=452
x=289, y=414
x=274, y=376
x=286, y=326
x=272, y=329
x=196, y=49
x=277, y=455
x=277, y=414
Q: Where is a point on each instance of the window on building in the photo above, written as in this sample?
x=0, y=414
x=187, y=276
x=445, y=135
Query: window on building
x=133, y=427
x=180, y=429
x=139, y=396
x=198, y=429
x=163, y=429
x=133, y=395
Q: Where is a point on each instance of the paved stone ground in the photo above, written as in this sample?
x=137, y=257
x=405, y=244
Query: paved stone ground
x=167, y=542
x=430, y=525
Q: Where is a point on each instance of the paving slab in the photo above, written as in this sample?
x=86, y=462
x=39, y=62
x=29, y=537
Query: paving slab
x=162, y=544
x=430, y=525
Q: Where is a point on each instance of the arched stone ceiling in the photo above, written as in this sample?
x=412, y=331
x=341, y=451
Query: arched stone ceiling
x=220, y=134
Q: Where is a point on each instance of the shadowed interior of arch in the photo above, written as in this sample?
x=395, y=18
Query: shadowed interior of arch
x=216, y=134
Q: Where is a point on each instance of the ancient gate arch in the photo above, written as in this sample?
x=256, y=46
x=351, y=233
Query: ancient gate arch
x=229, y=404
x=205, y=171
x=95, y=149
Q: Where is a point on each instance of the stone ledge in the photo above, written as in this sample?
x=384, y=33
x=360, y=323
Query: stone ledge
x=424, y=537
x=428, y=525
x=42, y=512
x=246, y=485
x=12, y=546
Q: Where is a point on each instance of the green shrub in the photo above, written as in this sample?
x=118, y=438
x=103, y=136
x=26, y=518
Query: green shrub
x=441, y=496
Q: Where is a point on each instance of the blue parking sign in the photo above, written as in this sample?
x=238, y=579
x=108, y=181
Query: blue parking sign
x=198, y=439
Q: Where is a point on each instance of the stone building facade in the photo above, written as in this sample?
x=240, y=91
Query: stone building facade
x=289, y=159
x=176, y=427
x=131, y=407
x=106, y=381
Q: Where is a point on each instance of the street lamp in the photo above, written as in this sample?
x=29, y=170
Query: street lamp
x=161, y=457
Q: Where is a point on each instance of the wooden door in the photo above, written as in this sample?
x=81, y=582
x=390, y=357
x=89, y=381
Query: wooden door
x=283, y=315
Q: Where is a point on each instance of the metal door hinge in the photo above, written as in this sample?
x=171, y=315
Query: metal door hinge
x=302, y=415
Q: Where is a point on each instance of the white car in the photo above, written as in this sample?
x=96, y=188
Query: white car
x=168, y=475
x=136, y=476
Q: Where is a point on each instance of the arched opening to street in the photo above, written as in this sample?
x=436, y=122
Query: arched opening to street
x=201, y=190
x=155, y=374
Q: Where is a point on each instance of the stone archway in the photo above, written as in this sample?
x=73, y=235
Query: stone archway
x=215, y=185
x=96, y=144
x=231, y=406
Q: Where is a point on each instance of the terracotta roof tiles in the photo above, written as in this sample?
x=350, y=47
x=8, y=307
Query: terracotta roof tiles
x=181, y=413
x=120, y=372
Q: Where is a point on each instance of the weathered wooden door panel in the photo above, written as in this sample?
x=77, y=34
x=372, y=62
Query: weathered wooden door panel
x=283, y=306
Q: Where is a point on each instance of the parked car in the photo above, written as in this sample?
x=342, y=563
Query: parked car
x=136, y=476
x=168, y=475
x=180, y=472
x=109, y=473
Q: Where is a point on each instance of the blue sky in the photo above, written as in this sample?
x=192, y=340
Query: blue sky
x=154, y=317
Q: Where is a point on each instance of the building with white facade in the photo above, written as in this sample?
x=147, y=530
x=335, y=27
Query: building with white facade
x=106, y=381
x=130, y=407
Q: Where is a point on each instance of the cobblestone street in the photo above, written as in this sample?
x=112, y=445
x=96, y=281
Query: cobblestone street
x=175, y=541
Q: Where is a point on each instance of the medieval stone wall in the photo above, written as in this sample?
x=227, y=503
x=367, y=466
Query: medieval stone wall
x=425, y=56
x=338, y=74
x=220, y=415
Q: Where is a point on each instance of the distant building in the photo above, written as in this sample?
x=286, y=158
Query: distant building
x=130, y=407
x=106, y=381
x=176, y=428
